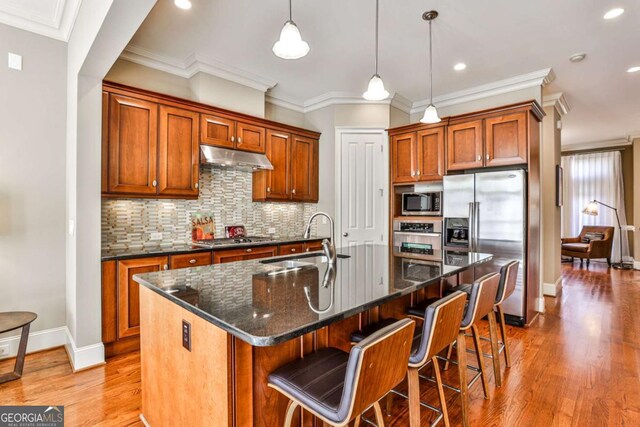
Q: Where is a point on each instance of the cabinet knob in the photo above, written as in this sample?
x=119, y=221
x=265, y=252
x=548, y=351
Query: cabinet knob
x=488, y=158
x=293, y=191
x=308, y=249
x=249, y=250
x=197, y=185
x=192, y=261
x=233, y=139
x=165, y=267
x=293, y=249
x=268, y=189
x=418, y=173
x=154, y=183
x=239, y=140
x=479, y=157
x=413, y=173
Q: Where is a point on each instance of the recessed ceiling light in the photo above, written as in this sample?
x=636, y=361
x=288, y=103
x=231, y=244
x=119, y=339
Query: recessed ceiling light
x=633, y=70
x=577, y=57
x=183, y=4
x=460, y=66
x=614, y=13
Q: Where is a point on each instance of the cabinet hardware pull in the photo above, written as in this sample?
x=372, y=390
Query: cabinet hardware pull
x=293, y=249
x=268, y=189
x=192, y=261
x=479, y=158
x=293, y=191
x=197, y=185
x=308, y=249
x=154, y=183
x=418, y=173
x=239, y=140
x=165, y=267
x=249, y=250
x=413, y=173
x=488, y=157
x=233, y=139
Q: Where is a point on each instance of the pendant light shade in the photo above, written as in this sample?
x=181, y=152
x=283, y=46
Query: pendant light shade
x=290, y=45
x=431, y=113
x=375, y=90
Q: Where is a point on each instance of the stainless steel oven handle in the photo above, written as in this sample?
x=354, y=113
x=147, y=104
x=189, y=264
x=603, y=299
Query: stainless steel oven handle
x=417, y=233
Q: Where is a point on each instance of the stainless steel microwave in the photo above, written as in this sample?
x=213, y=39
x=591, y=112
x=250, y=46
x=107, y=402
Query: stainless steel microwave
x=423, y=203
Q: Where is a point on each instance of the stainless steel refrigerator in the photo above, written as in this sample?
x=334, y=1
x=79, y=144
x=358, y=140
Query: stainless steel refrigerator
x=495, y=205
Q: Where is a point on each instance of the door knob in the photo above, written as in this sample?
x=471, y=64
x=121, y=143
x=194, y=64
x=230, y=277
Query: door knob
x=345, y=234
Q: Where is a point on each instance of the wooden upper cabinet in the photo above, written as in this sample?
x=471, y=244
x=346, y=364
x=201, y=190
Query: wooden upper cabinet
x=430, y=155
x=403, y=154
x=465, y=146
x=129, y=292
x=250, y=137
x=217, y=130
x=105, y=142
x=506, y=140
x=304, y=169
x=178, y=152
x=277, y=183
x=133, y=144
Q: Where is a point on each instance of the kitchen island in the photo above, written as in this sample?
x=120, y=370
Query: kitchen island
x=211, y=335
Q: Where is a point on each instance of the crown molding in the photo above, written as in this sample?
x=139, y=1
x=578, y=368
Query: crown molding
x=49, y=18
x=512, y=84
x=194, y=64
x=285, y=102
x=557, y=101
x=332, y=98
x=620, y=142
x=401, y=103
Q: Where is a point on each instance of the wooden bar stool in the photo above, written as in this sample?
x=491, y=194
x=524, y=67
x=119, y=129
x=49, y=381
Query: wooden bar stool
x=338, y=387
x=440, y=327
x=11, y=321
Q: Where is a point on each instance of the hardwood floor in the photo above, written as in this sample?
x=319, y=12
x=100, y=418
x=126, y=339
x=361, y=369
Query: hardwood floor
x=578, y=365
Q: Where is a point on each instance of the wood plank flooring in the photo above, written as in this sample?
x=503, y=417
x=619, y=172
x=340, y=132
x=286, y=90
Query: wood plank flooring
x=578, y=365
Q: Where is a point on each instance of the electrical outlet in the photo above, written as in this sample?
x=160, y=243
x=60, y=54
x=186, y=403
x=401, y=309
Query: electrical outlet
x=14, y=61
x=272, y=230
x=186, y=335
x=156, y=236
x=4, y=350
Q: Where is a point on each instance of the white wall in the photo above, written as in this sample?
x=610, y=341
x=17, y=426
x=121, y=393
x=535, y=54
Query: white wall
x=283, y=115
x=32, y=177
x=136, y=75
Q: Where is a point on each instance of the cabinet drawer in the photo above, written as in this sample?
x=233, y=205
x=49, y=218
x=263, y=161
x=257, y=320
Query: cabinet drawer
x=244, y=254
x=190, y=260
x=293, y=248
x=316, y=245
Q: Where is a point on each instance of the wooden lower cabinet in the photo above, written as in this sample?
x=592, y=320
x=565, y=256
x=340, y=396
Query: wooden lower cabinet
x=244, y=254
x=291, y=249
x=313, y=246
x=190, y=260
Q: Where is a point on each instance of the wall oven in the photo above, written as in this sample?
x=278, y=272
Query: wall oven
x=417, y=236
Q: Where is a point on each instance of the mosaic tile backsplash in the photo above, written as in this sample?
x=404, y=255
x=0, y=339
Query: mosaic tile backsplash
x=128, y=223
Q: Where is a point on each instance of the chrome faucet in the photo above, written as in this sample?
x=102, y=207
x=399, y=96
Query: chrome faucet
x=328, y=246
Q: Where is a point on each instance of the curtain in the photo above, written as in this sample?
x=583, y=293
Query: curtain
x=594, y=176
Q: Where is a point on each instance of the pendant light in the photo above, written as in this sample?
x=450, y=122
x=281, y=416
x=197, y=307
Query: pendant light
x=375, y=90
x=430, y=114
x=290, y=45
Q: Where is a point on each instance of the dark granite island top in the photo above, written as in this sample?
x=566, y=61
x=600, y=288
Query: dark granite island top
x=265, y=302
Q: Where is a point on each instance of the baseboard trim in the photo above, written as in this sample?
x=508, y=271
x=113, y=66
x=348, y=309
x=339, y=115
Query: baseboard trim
x=38, y=341
x=552, y=289
x=86, y=357
x=636, y=264
x=540, y=305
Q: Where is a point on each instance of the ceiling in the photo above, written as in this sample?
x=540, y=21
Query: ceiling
x=497, y=40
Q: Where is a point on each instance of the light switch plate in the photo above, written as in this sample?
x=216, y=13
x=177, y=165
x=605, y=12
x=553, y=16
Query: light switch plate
x=156, y=236
x=14, y=61
x=272, y=230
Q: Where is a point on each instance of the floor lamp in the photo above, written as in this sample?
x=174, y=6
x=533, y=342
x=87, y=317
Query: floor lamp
x=592, y=209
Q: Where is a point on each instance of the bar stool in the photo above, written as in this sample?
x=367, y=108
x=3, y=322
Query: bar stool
x=8, y=322
x=440, y=327
x=337, y=387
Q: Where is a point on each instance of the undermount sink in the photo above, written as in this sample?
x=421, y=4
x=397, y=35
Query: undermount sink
x=288, y=264
x=299, y=261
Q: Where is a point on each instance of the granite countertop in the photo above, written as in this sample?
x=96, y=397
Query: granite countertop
x=183, y=248
x=264, y=303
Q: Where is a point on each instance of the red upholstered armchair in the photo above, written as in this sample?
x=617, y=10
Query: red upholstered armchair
x=594, y=242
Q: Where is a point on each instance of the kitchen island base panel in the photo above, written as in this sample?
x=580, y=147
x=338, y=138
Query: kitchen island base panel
x=182, y=387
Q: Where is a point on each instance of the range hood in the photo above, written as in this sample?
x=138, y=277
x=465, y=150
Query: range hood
x=224, y=157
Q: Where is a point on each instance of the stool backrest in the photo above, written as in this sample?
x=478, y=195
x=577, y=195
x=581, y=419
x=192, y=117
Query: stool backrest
x=440, y=327
x=482, y=299
x=376, y=365
x=508, y=278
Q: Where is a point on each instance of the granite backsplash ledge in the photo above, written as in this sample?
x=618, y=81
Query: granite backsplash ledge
x=226, y=193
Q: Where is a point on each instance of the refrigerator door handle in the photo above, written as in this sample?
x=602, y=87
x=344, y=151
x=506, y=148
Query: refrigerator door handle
x=476, y=227
x=471, y=226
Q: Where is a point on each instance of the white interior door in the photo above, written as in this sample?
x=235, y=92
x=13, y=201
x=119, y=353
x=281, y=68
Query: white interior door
x=363, y=188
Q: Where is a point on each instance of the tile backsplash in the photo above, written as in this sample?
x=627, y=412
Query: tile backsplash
x=129, y=223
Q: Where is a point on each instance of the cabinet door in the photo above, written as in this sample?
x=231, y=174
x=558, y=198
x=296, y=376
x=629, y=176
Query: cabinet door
x=250, y=137
x=464, y=146
x=244, y=254
x=178, y=152
x=217, y=130
x=105, y=142
x=129, y=292
x=430, y=155
x=506, y=140
x=133, y=144
x=279, y=154
x=304, y=169
x=403, y=153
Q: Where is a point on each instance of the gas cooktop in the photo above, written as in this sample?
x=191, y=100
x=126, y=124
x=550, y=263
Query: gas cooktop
x=232, y=241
